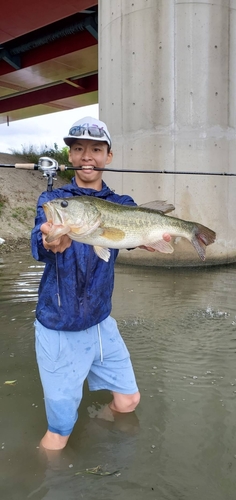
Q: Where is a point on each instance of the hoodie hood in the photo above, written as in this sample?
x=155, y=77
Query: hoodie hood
x=74, y=190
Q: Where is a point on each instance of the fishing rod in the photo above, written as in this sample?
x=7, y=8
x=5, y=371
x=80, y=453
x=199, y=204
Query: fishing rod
x=50, y=167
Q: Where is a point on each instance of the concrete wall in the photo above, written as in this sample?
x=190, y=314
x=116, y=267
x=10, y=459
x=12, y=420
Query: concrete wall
x=167, y=88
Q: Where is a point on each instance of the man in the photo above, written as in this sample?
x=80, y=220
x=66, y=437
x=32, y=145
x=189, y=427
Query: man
x=76, y=338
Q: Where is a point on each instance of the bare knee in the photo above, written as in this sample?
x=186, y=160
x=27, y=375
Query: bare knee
x=124, y=403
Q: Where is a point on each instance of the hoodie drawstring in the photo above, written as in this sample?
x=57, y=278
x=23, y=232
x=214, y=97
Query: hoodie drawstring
x=100, y=342
x=58, y=290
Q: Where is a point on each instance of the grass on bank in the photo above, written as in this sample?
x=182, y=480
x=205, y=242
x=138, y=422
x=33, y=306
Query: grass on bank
x=3, y=200
x=21, y=213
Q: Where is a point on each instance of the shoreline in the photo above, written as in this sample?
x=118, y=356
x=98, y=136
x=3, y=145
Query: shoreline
x=20, y=190
x=12, y=244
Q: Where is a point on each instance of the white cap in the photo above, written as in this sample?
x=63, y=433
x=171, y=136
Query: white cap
x=88, y=128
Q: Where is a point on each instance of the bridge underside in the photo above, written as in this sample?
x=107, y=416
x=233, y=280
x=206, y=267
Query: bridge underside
x=48, y=57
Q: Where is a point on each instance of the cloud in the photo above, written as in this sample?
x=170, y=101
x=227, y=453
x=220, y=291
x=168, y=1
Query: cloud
x=42, y=130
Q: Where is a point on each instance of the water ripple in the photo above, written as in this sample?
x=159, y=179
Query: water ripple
x=18, y=282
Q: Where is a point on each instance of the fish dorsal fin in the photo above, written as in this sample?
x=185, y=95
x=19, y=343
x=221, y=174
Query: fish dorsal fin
x=161, y=246
x=103, y=253
x=112, y=233
x=161, y=206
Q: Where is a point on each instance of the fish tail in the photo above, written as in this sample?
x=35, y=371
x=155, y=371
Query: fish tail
x=202, y=237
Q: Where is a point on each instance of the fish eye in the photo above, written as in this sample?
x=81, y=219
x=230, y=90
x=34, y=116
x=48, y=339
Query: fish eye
x=64, y=204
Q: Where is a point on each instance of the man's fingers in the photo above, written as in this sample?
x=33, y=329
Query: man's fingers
x=58, y=245
x=45, y=228
x=166, y=237
x=150, y=249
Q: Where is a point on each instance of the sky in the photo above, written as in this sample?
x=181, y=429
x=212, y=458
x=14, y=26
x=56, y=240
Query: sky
x=42, y=130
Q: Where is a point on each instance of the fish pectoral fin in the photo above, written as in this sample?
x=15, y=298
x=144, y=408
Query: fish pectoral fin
x=56, y=232
x=112, y=233
x=103, y=253
x=161, y=246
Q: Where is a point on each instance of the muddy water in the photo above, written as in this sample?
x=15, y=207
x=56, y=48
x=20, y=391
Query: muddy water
x=180, y=327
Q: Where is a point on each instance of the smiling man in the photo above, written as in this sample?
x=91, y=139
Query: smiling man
x=88, y=154
x=76, y=338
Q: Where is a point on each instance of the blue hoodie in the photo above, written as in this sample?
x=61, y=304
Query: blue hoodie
x=76, y=287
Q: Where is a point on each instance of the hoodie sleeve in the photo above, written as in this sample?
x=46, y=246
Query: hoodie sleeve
x=38, y=251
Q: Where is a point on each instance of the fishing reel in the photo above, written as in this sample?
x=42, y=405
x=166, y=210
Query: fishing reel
x=49, y=167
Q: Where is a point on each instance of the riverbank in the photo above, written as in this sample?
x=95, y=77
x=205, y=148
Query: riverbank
x=19, y=193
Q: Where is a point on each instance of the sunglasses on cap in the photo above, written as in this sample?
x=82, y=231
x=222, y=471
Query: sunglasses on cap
x=93, y=131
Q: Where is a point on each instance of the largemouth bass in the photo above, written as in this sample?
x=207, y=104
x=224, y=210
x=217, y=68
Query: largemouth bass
x=105, y=225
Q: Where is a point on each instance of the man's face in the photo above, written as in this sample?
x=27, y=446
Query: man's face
x=89, y=153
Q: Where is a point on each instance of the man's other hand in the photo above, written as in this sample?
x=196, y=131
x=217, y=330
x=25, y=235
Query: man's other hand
x=165, y=236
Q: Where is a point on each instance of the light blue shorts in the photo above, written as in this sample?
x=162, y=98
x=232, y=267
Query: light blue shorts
x=66, y=359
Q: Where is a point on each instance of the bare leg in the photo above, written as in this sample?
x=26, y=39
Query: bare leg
x=53, y=441
x=121, y=412
x=124, y=403
x=121, y=403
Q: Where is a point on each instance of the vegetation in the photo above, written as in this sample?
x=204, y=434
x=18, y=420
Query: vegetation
x=3, y=200
x=31, y=154
x=22, y=213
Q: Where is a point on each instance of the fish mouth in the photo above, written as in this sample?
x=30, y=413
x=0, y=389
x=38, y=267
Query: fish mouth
x=48, y=212
x=52, y=216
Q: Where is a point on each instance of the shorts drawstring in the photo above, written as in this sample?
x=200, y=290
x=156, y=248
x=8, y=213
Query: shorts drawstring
x=100, y=342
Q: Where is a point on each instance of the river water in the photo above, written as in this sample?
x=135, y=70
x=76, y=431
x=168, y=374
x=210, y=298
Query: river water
x=180, y=328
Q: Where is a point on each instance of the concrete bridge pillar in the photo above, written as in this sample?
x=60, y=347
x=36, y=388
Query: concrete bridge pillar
x=167, y=90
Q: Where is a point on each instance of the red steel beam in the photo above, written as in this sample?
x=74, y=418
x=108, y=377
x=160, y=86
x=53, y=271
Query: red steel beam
x=18, y=18
x=49, y=94
x=63, y=46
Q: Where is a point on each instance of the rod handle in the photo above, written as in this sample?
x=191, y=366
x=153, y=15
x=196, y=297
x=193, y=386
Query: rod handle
x=26, y=166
